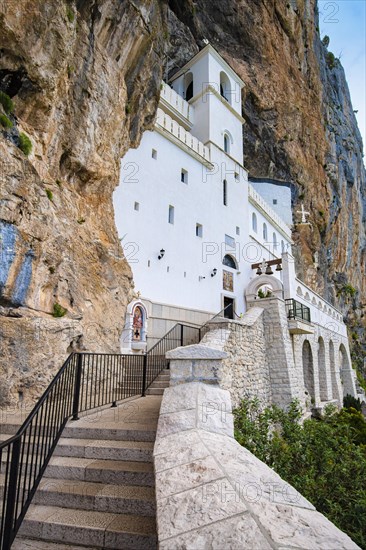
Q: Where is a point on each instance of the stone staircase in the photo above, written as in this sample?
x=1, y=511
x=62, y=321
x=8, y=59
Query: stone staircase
x=98, y=489
x=159, y=385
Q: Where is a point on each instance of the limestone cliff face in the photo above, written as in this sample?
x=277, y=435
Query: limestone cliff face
x=85, y=79
x=300, y=127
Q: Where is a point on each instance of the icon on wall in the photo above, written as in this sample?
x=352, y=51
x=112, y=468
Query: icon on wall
x=228, y=281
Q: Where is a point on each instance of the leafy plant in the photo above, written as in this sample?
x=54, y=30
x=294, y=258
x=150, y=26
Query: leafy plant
x=262, y=294
x=326, y=41
x=6, y=102
x=324, y=459
x=350, y=401
x=49, y=194
x=331, y=60
x=70, y=14
x=349, y=290
x=6, y=122
x=58, y=310
x=25, y=144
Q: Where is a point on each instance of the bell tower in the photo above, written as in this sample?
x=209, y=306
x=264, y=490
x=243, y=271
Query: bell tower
x=213, y=88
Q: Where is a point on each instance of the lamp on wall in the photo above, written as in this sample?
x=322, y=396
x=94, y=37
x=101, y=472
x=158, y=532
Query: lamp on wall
x=162, y=252
x=214, y=271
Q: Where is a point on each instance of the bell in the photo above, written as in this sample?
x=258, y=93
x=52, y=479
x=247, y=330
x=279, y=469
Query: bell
x=279, y=267
x=259, y=271
x=269, y=270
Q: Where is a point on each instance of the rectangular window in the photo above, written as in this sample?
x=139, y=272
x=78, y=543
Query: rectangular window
x=274, y=201
x=199, y=230
x=184, y=176
x=137, y=206
x=237, y=230
x=171, y=215
x=154, y=154
x=236, y=176
x=230, y=241
x=224, y=192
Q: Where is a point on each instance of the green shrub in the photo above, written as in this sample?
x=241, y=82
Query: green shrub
x=6, y=102
x=350, y=401
x=326, y=41
x=349, y=290
x=331, y=60
x=70, y=14
x=58, y=310
x=324, y=459
x=25, y=144
x=49, y=194
x=6, y=122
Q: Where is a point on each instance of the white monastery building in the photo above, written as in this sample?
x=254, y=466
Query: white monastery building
x=202, y=237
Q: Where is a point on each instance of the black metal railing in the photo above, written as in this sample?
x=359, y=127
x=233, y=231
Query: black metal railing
x=297, y=310
x=86, y=381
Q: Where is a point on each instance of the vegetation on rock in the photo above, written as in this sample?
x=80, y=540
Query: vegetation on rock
x=25, y=144
x=324, y=459
x=6, y=122
x=6, y=102
x=58, y=310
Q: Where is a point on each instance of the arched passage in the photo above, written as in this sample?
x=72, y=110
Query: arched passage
x=345, y=372
x=188, y=86
x=308, y=369
x=333, y=373
x=322, y=370
x=225, y=87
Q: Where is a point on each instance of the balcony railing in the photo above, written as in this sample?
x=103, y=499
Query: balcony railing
x=297, y=310
x=177, y=102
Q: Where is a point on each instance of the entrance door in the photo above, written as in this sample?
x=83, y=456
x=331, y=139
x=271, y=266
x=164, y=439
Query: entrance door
x=229, y=307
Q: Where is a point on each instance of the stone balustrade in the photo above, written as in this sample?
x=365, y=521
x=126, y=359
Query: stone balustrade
x=177, y=102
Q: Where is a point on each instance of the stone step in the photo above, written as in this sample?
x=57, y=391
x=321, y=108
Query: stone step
x=137, y=451
x=30, y=544
x=89, y=528
x=154, y=391
x=116, y=472
x=124, y=432
x=159, y=384
x=86, y=495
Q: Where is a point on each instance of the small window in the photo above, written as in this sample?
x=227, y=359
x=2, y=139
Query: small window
x=274, y=201
x=185, y=274
x=237, y=230
x=274, y=241
x=226, y=144
x=254, y=222
x=148, y=263
x=237, y=177
x=199, y=230
x=224, y=192
x=230, y=241
x=171, y=215
x=168, y=269
x=184, y=176
x=154, y=154
x=136, y=206
x=265, y=232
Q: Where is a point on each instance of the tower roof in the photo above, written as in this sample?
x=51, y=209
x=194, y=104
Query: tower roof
x=208, y=50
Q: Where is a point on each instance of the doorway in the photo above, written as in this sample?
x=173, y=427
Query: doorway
x=228, y=307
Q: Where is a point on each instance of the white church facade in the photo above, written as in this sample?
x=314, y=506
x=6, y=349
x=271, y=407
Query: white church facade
x=202, y=237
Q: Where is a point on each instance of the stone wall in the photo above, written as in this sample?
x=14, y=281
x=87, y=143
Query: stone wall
x=213, y=493
x=245, y=370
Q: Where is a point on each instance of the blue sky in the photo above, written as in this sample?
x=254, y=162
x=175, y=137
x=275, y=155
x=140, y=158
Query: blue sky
x=344, y=21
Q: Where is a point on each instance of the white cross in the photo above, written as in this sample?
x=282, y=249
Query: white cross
x=303, y=214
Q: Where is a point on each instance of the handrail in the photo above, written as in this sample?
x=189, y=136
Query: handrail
x=297, y=310
x=84, y=382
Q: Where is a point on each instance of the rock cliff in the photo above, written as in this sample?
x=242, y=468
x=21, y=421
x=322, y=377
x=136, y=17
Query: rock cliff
x=84, y=78
x=300, y=127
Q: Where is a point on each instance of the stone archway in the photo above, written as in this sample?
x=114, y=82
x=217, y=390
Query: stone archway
x=251, y=292
x=323, y=389
x=308, y=369
x=346, y=372
x=333, y=373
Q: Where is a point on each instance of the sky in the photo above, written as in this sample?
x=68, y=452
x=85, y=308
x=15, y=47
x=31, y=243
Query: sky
x=344, y=21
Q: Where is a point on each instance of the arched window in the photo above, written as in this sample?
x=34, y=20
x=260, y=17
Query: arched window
x=254, y=222
x=274, y=241
x=229, y=261
x=224, y=192
x=226, y=144
x=188, y=86
x=225, y=87
x=265, y=232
